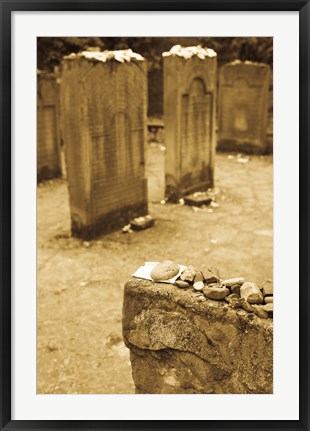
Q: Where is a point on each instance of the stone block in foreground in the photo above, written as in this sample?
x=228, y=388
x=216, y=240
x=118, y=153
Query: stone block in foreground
x=182, y=343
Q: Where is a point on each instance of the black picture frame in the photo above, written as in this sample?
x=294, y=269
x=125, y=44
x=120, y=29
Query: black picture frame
x=7, y=7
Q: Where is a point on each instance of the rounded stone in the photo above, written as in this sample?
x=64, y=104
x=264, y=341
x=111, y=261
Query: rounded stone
x=216, y=293
x=251, y=293
x=198, y=285
x=164, y=270
x=268, y=299
x=182, y=284
x=233, y=281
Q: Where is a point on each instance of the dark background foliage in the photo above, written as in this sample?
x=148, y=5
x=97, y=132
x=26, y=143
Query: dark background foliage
x=50, y=51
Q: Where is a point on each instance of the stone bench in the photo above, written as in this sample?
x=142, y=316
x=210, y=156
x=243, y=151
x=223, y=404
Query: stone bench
x=181, y=342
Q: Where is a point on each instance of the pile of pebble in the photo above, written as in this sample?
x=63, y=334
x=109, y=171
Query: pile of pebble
x=123, y=55
x=237, y=292
x=189, y=51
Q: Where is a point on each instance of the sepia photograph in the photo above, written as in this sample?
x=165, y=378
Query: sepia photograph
x=154, y=215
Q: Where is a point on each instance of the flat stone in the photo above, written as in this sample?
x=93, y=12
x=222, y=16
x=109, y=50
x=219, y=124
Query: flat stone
x=259, y=311
x=164, y=270
x=247, y=307
x=214, y=270
x=266, y=287
x=210, y=274
x=197, y=199
x=268, y=299
x=198, y=285
x=233, y=281
x=216, y=293
x=251, y=293
x=182, y=284
x=188, y=274
x=268, y=308
x=141, y=223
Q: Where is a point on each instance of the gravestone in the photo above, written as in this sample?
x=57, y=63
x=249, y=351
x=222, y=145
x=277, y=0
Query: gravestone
x=103, y=98
x=190, y=115
x=48, y=133
x=243, y=107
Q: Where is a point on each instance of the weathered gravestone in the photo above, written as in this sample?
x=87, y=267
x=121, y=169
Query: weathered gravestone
x=104, y=126
x=243, y=106
x=181, y=343
x=48, y=132
x=190, y=115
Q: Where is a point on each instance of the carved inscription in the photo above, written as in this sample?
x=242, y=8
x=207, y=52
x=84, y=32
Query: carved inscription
x=195, y=128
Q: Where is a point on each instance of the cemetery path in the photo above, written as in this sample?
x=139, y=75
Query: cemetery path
x=80, y=284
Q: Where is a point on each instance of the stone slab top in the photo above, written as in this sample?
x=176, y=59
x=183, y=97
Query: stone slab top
x=190, y=51
x=124, y=55
x=197, y=303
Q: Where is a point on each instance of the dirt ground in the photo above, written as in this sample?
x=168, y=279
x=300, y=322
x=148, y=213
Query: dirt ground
x=80, y=284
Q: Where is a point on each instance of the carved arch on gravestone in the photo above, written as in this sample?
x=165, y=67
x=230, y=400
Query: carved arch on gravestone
x=254, y=73
x=196, y=115
x=241, y=113
x=197, y=68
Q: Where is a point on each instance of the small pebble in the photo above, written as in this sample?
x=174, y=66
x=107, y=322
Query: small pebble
x=247, y=307
x=267, y=287
x=164, y=270
x=126, y=228
x=52, y=346
x=251, y=293
x=233, y=281
x=268, y=308
x=268, y=299
x=210, y=276
x=188, y=274
x=216, y=293
x=182, y=284
x=198, y=285
x=259, y=311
